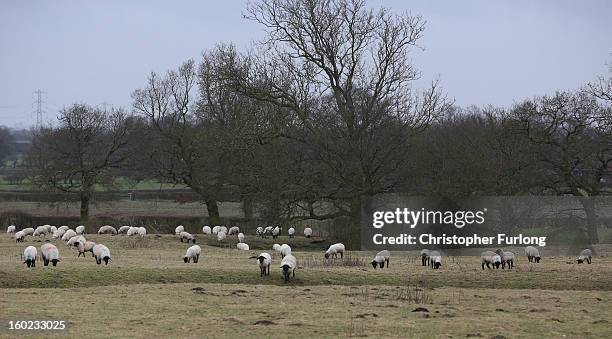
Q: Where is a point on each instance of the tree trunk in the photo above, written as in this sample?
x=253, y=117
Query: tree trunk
x=213, y=212
x=85, y=198
x=247, y=207
x=591, y=218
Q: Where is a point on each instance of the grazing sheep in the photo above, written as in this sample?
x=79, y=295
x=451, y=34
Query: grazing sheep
x=185, y=236
x=68, y=234
x=28, y=231
x=308, y=232
x=233, y=230
x=242, y=246
x=380, y=259
x=334, y=249
x=19, y=236
x=85, y=246
x=123, y=229
x=53, y=229
x=276, y=247
x=285, y=250
x=276, y=232
x=288, y=265
x=291, y=232
x=506, y=258
x=490, y=258
x=42, y=230
x=259, y=231
x=585, y=255
x=49, y=253
x=80, y=229
x=73, y=241
x=221, y=236
x=206, y=230
x=193, y=252
x=425, y=257
x=264, y=259
x=29, y=256
x=215, y=230
x=241, y=237
x=59, y=233
x=101, y=252
x=142, y=231
x=179, y=229
x=10, y=229
x=223, y=229
x=132, y=231
x=107, y=229
x=435, y=259
x=533, y=254
x=267, y=231
x=65, y=228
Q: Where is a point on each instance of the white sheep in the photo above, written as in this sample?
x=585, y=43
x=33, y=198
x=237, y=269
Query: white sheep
x=276, y=231
x=142, y=231
x=334, y=249
x=506, y=258
x=585, y=255
x=215, y=230
x=241, y=237
x=242, y=246
x=73, y=241
x=381, y=258
x=179, y=229
x=259, y=231
x=206, y=230
x=267, y=231
x=193, y=253
x=11, y=229
x=276, y=247
x=424, y=257
x=533, y=254
x=308, y=232
x=86, y=246
x=101, y=252
x=291, y=232
x=28, y=231
x=288, y=265
x=68, y=234
x=435, y=259
x=123, y=229
x=29, y=256
x=49, y=253
x=233, y=230
x=490, y=258
x=80, y=229
x=53, y=229
x=285, y=250
x=19, y=236
x=186, y=236
x=64, y=227
x=132, y=231
x=42, y=230
x=107, y=229
x=59, y=233
x=264, y=260
x=221, y=236
x=223, y=229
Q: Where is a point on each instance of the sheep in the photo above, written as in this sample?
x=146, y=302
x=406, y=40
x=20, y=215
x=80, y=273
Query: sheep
x=533, y=254
x=259, y=231
x=276, y=247
x=241, y=237
x=506, y=258
x=221, y=236
x=49, y=253
x=585, y=255
x=333, y=250
x=132, y=231
x=10, y=229
x=65, y=228
x=107, y=229
x=276, y=232
x=264, y=259
x=179, y=229
x=59, y=233
x=28, y=231
x=85, y=246
x=267, y=231
x=288, y=265
x=187, y=237
x=435, y=259
x=223, y=229
x=308, y=232
x=42, y=230
x=75, y=240
x=425, y=257
x=53, y=229
x=206, y=230
x=68, y=234
x=285, y=250
x=233, y=230
x=291, y=232
x=19, y=236
x=80, y=229
x=380, y=259
x=193, y=252
x=123, y=229
x=101, y=252
x=142, y=231
x=490, y=258
x=242, y=246
x=215, y=230
x=29, y=256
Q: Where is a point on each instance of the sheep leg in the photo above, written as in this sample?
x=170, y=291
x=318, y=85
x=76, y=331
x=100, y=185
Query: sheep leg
x=341, y=256
x=387, y=263
x=589, y=260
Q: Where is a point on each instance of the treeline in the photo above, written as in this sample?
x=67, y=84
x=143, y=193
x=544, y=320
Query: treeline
x=321, y=113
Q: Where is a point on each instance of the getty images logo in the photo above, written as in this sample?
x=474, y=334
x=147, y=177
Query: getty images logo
x=413, y=218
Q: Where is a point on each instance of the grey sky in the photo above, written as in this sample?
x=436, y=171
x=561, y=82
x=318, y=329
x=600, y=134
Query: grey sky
x=485, y=52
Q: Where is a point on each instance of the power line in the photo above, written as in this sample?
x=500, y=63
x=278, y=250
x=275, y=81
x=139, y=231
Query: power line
x=40, y=98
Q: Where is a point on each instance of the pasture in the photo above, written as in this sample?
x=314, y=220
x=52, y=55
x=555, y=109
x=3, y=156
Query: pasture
x=147, y=290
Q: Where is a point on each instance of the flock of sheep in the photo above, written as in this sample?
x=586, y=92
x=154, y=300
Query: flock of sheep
x=76, y=239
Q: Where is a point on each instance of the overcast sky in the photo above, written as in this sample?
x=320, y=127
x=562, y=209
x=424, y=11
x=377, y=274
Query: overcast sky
x=485, y=52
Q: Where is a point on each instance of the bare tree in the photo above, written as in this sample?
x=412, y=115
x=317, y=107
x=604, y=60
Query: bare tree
x=80, y=152
x=6, y=143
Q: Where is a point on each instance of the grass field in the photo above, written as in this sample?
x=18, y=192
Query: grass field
x=148, y=291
